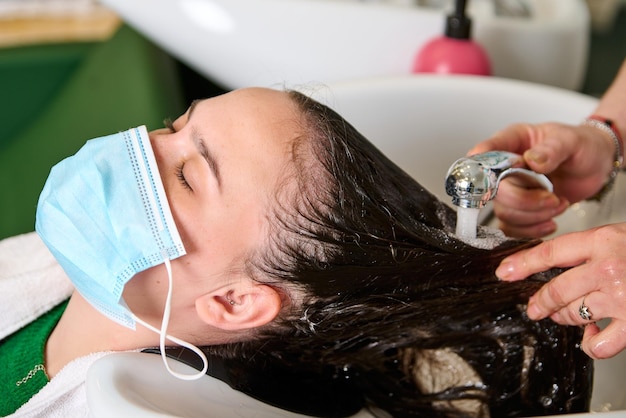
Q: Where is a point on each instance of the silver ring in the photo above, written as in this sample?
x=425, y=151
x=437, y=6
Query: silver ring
x=584, y=311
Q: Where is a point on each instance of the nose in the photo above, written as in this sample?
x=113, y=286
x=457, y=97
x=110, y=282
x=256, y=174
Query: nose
x=158, y=142
x=157, y=133
x=159, y=139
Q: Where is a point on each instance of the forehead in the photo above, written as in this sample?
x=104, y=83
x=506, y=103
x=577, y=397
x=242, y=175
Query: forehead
x=259, y=117
x=255, y=131
x=255, y=103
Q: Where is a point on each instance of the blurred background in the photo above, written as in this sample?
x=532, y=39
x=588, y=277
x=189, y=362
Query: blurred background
x=71, y=70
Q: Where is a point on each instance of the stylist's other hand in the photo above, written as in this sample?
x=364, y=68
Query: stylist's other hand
x=597, y=258
x=577, y=159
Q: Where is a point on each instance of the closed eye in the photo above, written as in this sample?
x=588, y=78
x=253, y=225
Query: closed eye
x=181, y=177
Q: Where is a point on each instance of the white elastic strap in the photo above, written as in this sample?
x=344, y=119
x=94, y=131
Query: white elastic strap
x=163, y=334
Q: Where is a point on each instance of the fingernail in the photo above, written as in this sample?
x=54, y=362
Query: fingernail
x=532, y=310
x=563, y=204
x=536, y=156
x=505, y=270
x=547, y=228
x=550, y=200
x=599, y=349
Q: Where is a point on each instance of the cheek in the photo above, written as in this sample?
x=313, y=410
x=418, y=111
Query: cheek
x=217, y=239
x=191, y=227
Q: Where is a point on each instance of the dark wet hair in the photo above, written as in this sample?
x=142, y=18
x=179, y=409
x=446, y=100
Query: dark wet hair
x=398, y=315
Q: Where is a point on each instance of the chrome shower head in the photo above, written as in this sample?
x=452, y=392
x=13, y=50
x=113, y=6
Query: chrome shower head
x=473, y=181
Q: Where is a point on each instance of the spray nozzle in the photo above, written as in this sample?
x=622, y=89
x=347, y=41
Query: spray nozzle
x=458, y=25
x=473, y=181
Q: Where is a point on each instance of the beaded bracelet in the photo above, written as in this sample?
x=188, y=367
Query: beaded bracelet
x=606, y=126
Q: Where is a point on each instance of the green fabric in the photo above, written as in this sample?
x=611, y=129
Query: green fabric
x=96, y=90
x=30, y=77
x=21, y=353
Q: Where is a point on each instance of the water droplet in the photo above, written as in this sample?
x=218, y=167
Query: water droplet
x=546, y=401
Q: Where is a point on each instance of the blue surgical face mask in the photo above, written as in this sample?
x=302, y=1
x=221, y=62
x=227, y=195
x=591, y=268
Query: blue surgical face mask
x=104, y=215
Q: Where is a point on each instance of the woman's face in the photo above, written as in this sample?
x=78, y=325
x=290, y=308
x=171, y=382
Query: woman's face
x=221, y=163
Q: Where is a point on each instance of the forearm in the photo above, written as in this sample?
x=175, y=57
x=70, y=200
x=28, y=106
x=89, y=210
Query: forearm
x=613, y=103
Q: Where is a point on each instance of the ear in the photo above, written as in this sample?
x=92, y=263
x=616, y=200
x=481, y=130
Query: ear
x=239, y=307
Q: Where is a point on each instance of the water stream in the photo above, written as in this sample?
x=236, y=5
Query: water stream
x=466, y=223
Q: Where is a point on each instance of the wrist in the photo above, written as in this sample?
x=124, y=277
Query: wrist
x=609, y=129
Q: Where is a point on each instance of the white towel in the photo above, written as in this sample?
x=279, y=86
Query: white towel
x=31, y=282
x=64, y=396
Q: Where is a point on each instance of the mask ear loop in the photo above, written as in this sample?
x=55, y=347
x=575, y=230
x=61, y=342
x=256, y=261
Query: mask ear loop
x=163, y=333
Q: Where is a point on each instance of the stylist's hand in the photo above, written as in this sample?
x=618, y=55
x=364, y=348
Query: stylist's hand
x=598, y=274
x=577, y=159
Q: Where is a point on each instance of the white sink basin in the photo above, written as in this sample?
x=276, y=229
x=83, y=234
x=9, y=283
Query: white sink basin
x=239, y=43
x=424, y=123
x=136, y=385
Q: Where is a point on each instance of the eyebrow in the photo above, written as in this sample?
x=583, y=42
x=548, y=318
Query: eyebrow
x=202, y=147
x=192, y=106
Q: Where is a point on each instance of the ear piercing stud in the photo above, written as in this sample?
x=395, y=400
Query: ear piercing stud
x=229, y=299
